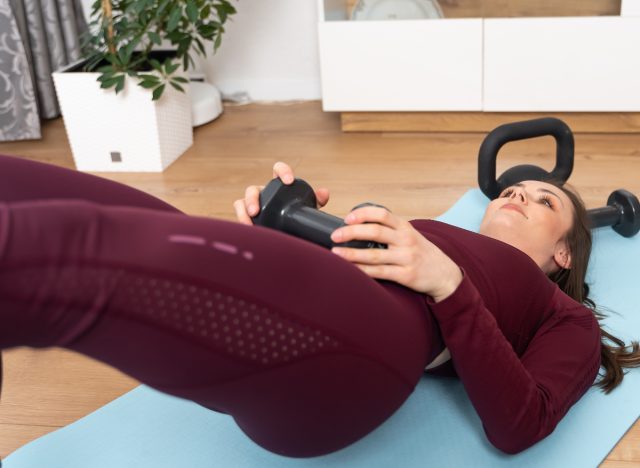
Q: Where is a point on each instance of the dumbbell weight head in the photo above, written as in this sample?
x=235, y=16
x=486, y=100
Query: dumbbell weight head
x=292, y=209
x=277, y=198
x=622, y=213
x=629, y=207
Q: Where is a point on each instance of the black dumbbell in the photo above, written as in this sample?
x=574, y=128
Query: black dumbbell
x=292, y=209
x=622, y=213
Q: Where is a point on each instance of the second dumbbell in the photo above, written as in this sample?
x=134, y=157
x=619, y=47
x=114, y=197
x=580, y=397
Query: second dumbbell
x=292, y=209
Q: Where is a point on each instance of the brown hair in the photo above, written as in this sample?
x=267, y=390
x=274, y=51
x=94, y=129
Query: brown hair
x=614, y=354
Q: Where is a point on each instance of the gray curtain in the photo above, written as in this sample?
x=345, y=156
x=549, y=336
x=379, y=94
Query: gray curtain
x=36, y=38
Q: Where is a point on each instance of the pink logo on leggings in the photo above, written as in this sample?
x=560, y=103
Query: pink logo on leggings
x=184, y=239
x=221, y=246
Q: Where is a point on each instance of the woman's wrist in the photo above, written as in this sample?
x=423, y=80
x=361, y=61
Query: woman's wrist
x=450, y=283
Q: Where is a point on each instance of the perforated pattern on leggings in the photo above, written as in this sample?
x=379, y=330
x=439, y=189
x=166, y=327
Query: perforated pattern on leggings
x=234, y=325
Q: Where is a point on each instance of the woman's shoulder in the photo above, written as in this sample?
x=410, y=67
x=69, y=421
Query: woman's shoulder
x=429, y=227
x=569, y=311
x=470, y=245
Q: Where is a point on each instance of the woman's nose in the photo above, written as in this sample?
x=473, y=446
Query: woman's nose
x=519, y=193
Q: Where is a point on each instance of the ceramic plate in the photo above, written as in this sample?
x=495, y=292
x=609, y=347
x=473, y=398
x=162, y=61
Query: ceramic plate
x=396, y=10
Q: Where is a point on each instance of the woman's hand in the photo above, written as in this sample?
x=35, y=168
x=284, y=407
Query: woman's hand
x=410, y=260
x=250, y=205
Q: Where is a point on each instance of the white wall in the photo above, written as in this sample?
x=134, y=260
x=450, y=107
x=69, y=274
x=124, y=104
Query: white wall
x=269, y=50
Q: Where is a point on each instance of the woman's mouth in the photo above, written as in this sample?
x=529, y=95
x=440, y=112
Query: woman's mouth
x=511, y=206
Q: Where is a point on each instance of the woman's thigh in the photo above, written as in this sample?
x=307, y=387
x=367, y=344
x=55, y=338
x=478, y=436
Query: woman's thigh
x=23, y=179
x=305, y=351
x=173, y=260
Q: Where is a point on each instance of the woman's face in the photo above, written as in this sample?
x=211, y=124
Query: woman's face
x=534, y=217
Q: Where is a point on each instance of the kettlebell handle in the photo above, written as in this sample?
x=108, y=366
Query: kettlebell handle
x=503, y=134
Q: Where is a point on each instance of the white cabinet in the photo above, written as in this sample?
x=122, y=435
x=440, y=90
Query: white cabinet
x=410, y=65
x=401, y=65
x=581, y=64
x=586, y=64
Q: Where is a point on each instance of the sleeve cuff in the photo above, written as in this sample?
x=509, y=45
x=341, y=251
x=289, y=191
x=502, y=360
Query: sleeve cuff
x=463, y=297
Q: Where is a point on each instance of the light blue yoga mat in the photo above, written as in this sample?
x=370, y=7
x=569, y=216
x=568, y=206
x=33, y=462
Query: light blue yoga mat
x=436, y=427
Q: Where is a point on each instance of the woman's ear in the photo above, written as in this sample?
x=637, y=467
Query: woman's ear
x=562, y=256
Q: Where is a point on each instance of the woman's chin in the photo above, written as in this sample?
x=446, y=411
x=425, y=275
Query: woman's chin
x=498, y=224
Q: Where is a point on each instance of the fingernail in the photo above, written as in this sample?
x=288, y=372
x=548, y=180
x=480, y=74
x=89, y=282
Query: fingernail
x=337, y=250
x=336, y=235
x=253, y=209
x=350, y=217
x=288, y=179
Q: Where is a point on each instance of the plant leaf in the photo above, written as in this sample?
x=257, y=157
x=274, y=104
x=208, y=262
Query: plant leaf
x=150, y=78
x=170, y=67
x=106, y=76
x=228, y=7
x=177, y=86
x=92, y=63
x=207, y=30
x=154, y=37
x=201, y=47
x=109, y=83
x=148, y=84
x=120, y=85
x=183, y=47
x=155, y=64
x=222, y=13
x=174, y=18
x=192, y=11
x=206, y=11
x=180, y=79
x=158, y=92
x=161, y=8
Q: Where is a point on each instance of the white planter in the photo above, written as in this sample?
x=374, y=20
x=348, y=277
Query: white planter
x=127, y=132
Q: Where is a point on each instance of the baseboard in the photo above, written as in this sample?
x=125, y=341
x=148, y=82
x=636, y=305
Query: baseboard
x=482, y=122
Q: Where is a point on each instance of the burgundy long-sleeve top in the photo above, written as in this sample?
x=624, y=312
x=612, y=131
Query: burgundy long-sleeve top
x=524, y=350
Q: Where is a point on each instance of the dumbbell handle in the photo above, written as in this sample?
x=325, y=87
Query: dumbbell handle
x=311, y=224
x=622, y=213
x=605, y=216
x=317, y=226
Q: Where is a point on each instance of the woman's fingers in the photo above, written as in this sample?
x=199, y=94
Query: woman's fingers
x=241, y=212
x=374, y=214
x=250, y=205
x=370, y=232
x=368, y=256
x=322, y=197
x=252, y=199
x=284, y=172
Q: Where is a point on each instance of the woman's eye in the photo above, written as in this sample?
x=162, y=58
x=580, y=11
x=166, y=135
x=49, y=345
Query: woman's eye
x=547, y=202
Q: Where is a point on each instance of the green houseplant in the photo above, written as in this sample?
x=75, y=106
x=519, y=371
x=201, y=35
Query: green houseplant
x=123, y=33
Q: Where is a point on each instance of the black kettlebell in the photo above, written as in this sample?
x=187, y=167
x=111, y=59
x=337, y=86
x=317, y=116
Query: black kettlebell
x=292, y=209
x=623, y=209
x=506, y=133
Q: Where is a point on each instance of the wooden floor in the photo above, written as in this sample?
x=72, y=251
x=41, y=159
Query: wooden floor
x=415, y=175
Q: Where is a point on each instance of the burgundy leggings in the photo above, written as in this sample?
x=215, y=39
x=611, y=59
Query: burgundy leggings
x=306, y=353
